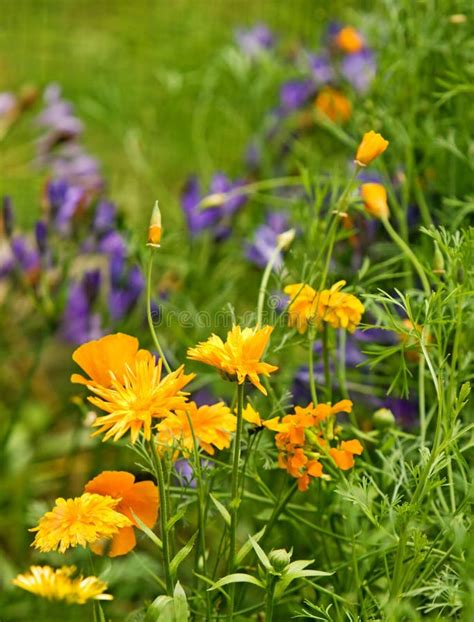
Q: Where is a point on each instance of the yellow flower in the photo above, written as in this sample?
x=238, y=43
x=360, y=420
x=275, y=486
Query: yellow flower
x=375, y=200
x=309, y=307
x=79, y=521
x=252, y=416
x=238, y=357
x=339, y=309
x=212, y=427
x=301, y=311
x=133, y=392
x=371, y=146
x=349, y=40
x=334, y=105
x=58, y=584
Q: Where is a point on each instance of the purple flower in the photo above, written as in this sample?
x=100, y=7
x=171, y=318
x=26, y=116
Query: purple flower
x=79, y=324
x=64, y=201
x=359, y=69
x=321, y=69
x=104, y=217
x=27, y=258
x=295, y=93
x=264, y=241
x=7, y=216
x=253, y=41
x=57, y=116
x=218, y=218
x=41, y=235
x=112, y=244
x=405, y=411
x=124, y=296
x=7, y=260
x=253, y=156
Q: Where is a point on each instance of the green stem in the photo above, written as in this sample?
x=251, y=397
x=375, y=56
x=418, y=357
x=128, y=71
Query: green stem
x=269, y=600
x=312, y=383
x=421, y=399
x=327, y=371
x=263, y=285
x=158, y=467
x=235, y=494
x=219, y=198
x=406, y=250
x=277, y=510
x=149, y=315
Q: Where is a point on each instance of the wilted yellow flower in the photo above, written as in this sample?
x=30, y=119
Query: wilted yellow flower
x=212, y=427
x=238, y=358
x=349, y=40
x=375, y=200
x=334, y=105
x=371, y=146
x=133, y=392
x=339, y=309
x=58, y=584
x=78, y=522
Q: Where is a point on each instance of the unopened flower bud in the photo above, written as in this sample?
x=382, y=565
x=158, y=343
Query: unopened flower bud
x=383, y=419
x=286, y=238
x=213, y=200
x=279, y=559
x=371, y=146
x=154, y=230
x=438, y=261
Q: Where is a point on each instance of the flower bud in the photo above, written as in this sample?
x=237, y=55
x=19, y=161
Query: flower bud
x=279, y=559
x=213, y=200
x=371, y=146
x=154, y=230
x=375, y=200
x=285, y=239
x=383, y=419
x=438, y=261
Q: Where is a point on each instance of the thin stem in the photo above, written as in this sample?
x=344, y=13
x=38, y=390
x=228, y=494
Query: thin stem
x=263, y=285
x=269, y=600
x=421, y=399
x=327, y=371
x=277, y=510
x=235, y=494
x=149, y=315
x=312, y=383
x=403, y=246
x=158, y=467
x=219, y=198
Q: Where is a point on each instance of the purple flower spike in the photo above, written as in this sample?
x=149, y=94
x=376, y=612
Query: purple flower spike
x=104, y=217
x=41, y=235
x=124, y=297
x=79, y=323
x=65, y=200
x=254, y=41
x=321, y=69
x=7, y=216
x=295, y=93
x=359, y=69
x=265, y=239
x=27, y=258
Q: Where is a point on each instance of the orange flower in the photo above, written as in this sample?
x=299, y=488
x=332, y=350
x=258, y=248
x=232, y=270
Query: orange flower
x=212, y=427
x=349, y=40
x=139, y=498
x=334, y=105
x=252, y=416
x=371, y=146
x=375, y=200
x=238, y=358
x=301, y=310
x=127, y=384
x=154, y=230
x=344, y=455
x=339, y=309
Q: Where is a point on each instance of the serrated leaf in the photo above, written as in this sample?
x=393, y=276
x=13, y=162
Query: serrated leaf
x=247, y=546
x=141, y=525
x=222, y=510
x=261, y=554
x=238, y=577
x=182, y=554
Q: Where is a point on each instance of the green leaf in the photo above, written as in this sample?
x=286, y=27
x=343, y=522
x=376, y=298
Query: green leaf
x=247, y=547
x=238, y=577
x=175, y=518
x=182, y=554
x=222, y=510
x=141, y=525
x=261, y=554
x=181, y=610
x=161, y=607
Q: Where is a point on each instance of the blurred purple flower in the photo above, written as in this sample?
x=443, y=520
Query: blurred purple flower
x=264, y=241
x=320, y=68
x=27, y=258
x=124, y=295
x=7, y=216
x=7, y=259
x=79, y=324
x=253, y=156
x=104, y=217
x=112, y=244
x=41, y=235
x=57, y=116
x=64, y=201
x=295, y=93
x=8, y=104
x=405, y=411
x=255, y=40
x=359, y=69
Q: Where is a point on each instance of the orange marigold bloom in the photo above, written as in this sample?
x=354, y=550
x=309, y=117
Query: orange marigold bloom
x=371, y=146
x=128, y=385
x=139, y=498
x=79, y=521
x=238, y=357
x=375, y=200
x=301, y=310
x=59, y=584
x=212, y=427
x=339, y=309
x=252, y=416
x=334, y=105
x=349, y=40
x=344, y=456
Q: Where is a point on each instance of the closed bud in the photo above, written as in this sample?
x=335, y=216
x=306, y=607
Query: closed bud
x=438, y=261
x=154, y=230
x=286, y=238
x=383, y=419
x=279, y=559
x=214, y=200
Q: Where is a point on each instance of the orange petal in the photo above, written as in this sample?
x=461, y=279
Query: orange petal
x=343, y=459
x=142, y=498
x=353, y=446
x=112, y=483
x=108, y=354
x=123, y=542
